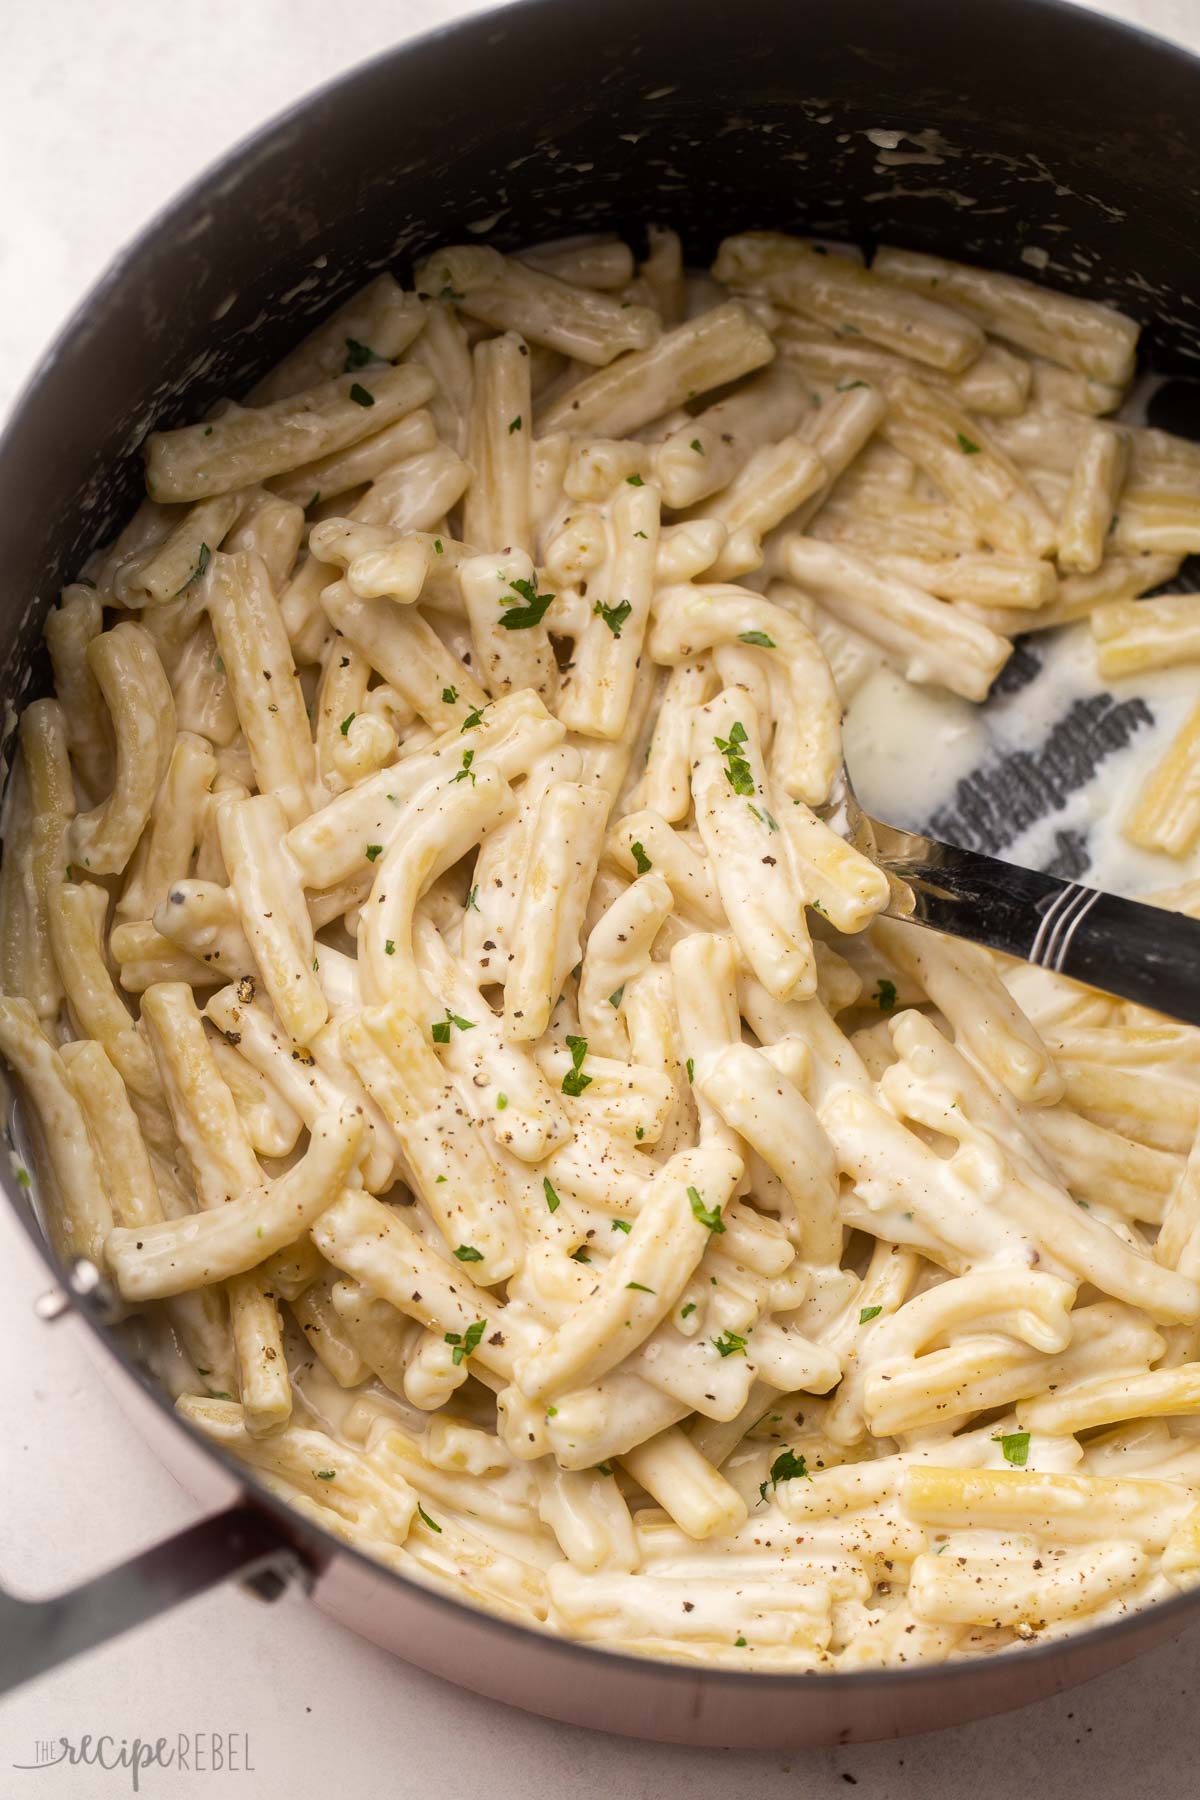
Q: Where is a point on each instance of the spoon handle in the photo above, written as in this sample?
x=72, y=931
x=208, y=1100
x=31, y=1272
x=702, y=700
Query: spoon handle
x=1123, y=947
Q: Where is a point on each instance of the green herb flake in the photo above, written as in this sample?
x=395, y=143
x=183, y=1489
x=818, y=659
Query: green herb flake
x=641, y=861
x=574, y=1081
x=730, y=1343
x=707, y=1215
x=1015, y=1445
x=967, y=445
x=552, y=1200
x=473, y=718
x=437, y=547
x=614, y=999
x=359, y=355
x=440, y=1031
x=437, y=1179
x=697, y=446
x=203, y=558
x=426, y=1520
x=514, y=425
x=581, y=1254
x=325, y=1474
x=523, y=618
x=85, y=581
x=464, y=1345
x=737, y=769
x=885, y=995
x=603, y=1468
x=360, y=396
x=788, y=1466
x=739, y=1642
x=635, y=481
x=389, y=949
x=449, y=695
x=468, y=1253
x=622, y=1225
x=685, y=1312
x=690, y=1066
x=843, y=387
x=465, y=773
x=758, y=638
x=641, y=534
x=501, y=1102
x=472, y=904
x=639, y=1132
x=614, y=616
x=346, y=723
x=869, y=1312
x=639, y=1287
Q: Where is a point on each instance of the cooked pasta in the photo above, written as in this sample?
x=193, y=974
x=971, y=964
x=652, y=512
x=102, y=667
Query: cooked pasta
x=440, y=1008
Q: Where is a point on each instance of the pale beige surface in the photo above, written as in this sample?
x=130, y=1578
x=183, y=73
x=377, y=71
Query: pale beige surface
x=83, y=168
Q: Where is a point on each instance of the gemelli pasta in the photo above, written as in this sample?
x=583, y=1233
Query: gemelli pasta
x=441, y=1008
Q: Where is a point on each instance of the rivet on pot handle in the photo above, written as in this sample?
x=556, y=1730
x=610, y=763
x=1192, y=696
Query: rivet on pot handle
x=241, y=1543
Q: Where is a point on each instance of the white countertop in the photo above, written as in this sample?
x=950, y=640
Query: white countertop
x=105, y=110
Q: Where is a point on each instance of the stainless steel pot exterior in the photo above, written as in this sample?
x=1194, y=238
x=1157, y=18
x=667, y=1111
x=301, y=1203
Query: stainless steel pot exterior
x=1053, y=127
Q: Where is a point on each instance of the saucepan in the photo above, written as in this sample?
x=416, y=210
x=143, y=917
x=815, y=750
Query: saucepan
x=1004, y=133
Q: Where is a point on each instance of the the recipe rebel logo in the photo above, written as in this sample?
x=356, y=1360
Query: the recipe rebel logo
x=186, y=1752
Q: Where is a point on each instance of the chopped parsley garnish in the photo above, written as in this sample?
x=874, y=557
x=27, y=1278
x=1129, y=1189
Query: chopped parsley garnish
x=765, y=817
x=359, y=355
x=441, y=1030
x=707, y=1215
x=574, y=1081
x=468, y=1253
x=604, y=1468
x=730, y=1343
x=472, y=904
x=85, y=581
x=473, y=718
x=614, y=999
x=885, y=995
x=697, y=446
x=501, y=1102
x=449, y=695
x=360, y=396
x=966, y=445
x=739, y=1642
x=464, y=1345
x=426, y=1520
x=581, y=1254
x=522, y=618
x=639, y=1287
x=389, y=949
x=437, y=545
x=690, y=1066
x=465, y=774
x=756, y=637
x=1015, y=1445
x=737, y=769
x=622, y=1225
x=641, y=861
x=788, y=1466
x=552, y=1200
x=614, y=616
x=373, y=852
x=843, y=387
x=325, y=1474
x=514, y=425
x=203, y=558
x=685, y=1312
x=635, y=481
x=346, y=723
x=869, y=1312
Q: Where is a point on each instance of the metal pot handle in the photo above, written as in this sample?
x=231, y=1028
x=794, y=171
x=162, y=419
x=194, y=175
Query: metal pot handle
x=242, y=1543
